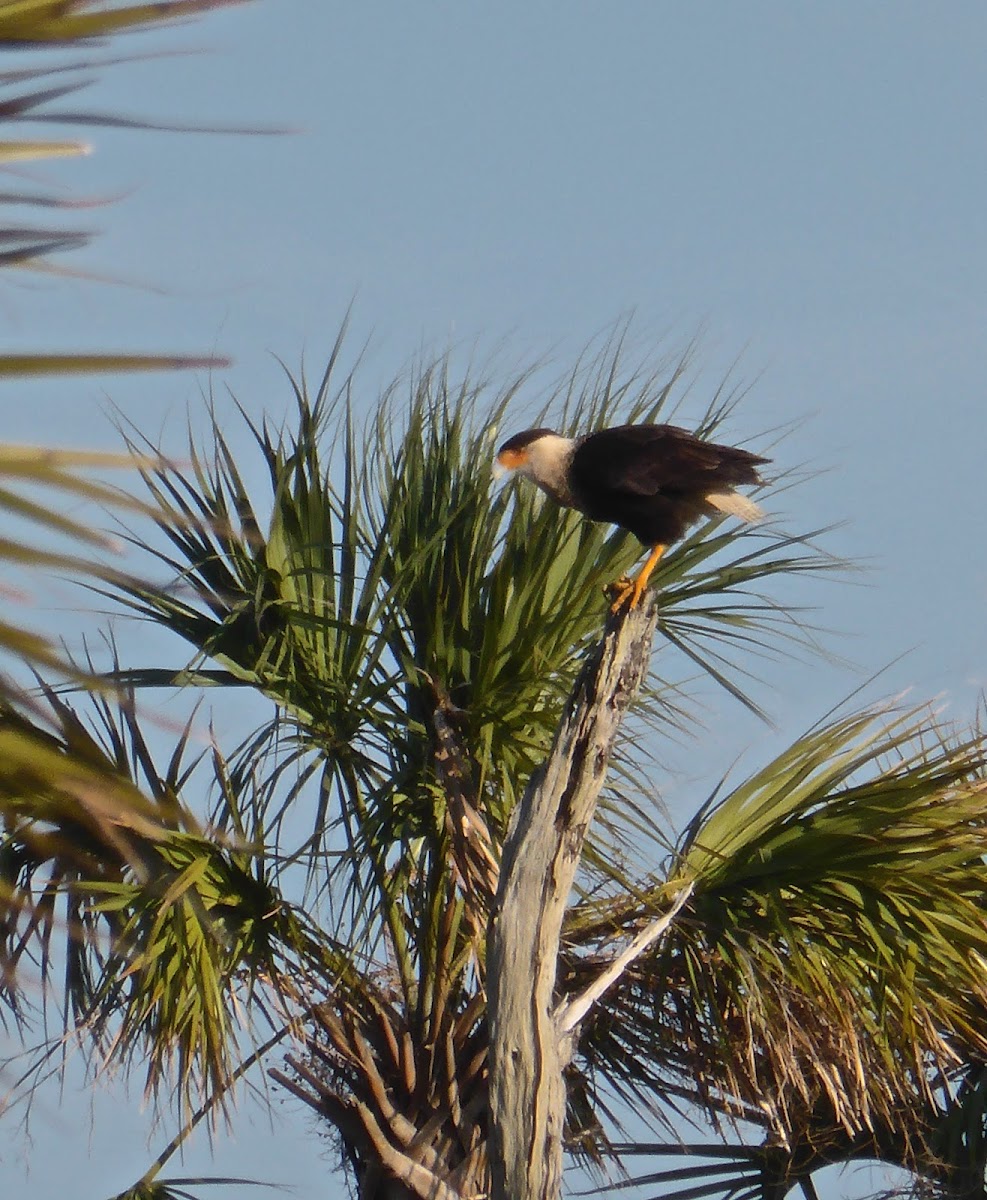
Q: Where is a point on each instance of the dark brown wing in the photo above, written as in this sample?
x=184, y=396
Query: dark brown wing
x=648, y=460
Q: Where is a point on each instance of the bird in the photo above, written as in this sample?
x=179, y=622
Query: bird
x=655, y=481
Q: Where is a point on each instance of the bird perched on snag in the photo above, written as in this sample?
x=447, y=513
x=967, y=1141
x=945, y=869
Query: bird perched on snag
x=652, y=480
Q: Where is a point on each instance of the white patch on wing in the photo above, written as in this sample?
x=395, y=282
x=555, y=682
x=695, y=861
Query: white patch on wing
x=735, y=505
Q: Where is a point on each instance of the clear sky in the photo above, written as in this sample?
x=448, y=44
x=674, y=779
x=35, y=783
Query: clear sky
x=805, y=183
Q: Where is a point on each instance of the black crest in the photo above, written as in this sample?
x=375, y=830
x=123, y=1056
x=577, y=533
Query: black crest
x=520, y=440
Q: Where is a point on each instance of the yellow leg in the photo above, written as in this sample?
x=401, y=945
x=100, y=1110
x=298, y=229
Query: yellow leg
x=633, y=590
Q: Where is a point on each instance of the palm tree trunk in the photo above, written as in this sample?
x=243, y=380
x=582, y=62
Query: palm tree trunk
x=528, y=1048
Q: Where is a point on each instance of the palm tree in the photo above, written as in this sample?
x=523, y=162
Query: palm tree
x=803, y=966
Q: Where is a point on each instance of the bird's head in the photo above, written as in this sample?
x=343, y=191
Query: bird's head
x=543, y=456
x=538, y=453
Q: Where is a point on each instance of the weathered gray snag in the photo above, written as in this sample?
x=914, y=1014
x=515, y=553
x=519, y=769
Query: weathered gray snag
x=529, y=1045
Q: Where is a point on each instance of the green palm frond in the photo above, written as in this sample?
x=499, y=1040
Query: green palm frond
x=73, y=815
x=26, y=366
x=48, y=472
x=56, y=22
x=27, y=95
x=60, y=802
x=828, y=975
x=151, y=922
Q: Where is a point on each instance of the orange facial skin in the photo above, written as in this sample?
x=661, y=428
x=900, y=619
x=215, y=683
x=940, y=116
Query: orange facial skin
x=510, y=460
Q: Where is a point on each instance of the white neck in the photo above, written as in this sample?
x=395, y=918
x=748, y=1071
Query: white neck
x=548, y=464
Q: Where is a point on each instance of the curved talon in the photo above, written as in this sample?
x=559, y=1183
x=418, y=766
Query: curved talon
x=620, y=590
x=625, y=589
x=619, y=586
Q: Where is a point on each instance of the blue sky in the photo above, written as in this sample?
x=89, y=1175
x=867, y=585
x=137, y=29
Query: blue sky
x=807, y=185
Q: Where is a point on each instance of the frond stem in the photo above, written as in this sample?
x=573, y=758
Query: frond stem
x=571, y=1011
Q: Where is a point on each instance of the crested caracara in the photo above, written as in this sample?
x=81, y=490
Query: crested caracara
x=652, y=480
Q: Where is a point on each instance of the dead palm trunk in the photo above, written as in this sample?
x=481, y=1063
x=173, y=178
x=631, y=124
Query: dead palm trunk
x=531, y=1041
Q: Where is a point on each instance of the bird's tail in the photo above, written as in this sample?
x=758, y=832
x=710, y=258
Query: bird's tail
x=735, y=505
